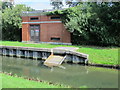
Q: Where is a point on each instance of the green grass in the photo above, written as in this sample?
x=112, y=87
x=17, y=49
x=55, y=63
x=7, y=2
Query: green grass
x=17, y=82
x=97, y=55
x=0, y=81
x=8, y=43
x=101, y=56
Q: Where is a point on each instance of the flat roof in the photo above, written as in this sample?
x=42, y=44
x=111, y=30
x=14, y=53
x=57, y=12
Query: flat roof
x=35, y=13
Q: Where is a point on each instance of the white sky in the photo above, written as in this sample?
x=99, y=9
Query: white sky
x=36, y=4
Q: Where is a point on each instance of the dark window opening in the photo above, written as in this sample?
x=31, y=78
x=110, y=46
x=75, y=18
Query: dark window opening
x=56, y=39
x=55, y=17
x=34, y=18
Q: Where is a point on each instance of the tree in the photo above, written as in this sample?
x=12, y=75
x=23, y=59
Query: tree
x=96, y=23
x=72, y=3
x=6, y=5
x=11, y=22
x=57, y=4
x=69, y=2
x=93, y=23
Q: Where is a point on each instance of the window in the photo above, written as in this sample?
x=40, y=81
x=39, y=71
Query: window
x=32, y=32
x=54, y=38
x=55, y=17
x=34, y=18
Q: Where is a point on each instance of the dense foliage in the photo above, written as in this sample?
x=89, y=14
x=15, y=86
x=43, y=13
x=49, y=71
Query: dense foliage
x=93, y=23
x=6, y=5
x=11, y=22
x=57, y=4
x=89, y=23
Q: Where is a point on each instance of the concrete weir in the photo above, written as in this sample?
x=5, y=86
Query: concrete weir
x=43, y=53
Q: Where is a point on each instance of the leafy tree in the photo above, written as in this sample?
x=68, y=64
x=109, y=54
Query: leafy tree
x=6, y=5
x=57, y=4
x=93, y=23
x=72, y=3
x=69, y=2
x=11, y=22
x=105, y=22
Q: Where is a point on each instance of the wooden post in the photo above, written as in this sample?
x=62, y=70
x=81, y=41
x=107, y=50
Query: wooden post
x=35, y=55
x=1, y=51
x=5, y=52
x=44, y=55
x=27, y=54
x=11, y=52
x=18, y=53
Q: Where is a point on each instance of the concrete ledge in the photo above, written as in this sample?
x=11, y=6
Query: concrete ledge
x=55, y=51
x=106, y=66
x=73, y=56
x=56, y=43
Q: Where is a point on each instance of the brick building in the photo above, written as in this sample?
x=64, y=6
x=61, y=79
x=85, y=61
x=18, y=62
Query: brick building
x=38, y=27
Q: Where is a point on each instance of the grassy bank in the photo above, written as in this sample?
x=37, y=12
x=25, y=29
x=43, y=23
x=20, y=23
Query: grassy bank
x=36, y=45
x=97, y=55
x=101, y=56
x=18, y=82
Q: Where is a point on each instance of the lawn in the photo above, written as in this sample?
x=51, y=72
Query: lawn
x=10, y=43
x=18, y=82
x=0, y=81
x=97, y=55
x=101, y=56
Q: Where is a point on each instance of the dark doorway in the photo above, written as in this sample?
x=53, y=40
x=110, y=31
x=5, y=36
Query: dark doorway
x=35, y=33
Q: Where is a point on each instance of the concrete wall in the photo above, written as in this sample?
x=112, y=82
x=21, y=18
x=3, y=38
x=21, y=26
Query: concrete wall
x=43, y=53
x=47, y=29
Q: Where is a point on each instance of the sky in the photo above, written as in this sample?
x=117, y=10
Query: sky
x=39, y=4
x=36, y=4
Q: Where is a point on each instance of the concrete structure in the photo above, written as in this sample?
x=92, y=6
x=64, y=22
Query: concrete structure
x=43, y=53
x=37, y=27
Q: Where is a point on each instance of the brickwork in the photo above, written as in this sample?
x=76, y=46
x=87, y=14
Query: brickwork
x=47, y=30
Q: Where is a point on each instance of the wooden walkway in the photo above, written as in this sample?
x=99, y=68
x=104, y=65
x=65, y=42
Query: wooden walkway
x=54, y=60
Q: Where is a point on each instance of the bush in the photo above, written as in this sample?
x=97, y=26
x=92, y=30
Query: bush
x=92, y=23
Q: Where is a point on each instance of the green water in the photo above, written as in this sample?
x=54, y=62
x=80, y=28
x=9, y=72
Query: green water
x=74, y=75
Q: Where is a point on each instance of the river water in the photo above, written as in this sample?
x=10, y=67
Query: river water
x=74, y=75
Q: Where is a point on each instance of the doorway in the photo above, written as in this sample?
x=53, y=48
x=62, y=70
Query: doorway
x=35, y=33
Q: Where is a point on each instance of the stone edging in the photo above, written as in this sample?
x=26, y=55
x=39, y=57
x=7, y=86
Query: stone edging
x=105, y=66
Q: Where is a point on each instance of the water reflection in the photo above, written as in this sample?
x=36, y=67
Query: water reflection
x=73, y=75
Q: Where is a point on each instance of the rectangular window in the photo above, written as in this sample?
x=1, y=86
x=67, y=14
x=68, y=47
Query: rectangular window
x=55, y=17
x=34, y=18
x=54, y=38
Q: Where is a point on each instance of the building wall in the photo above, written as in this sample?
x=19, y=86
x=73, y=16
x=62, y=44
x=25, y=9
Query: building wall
x=47, y=30
x=25, y=32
